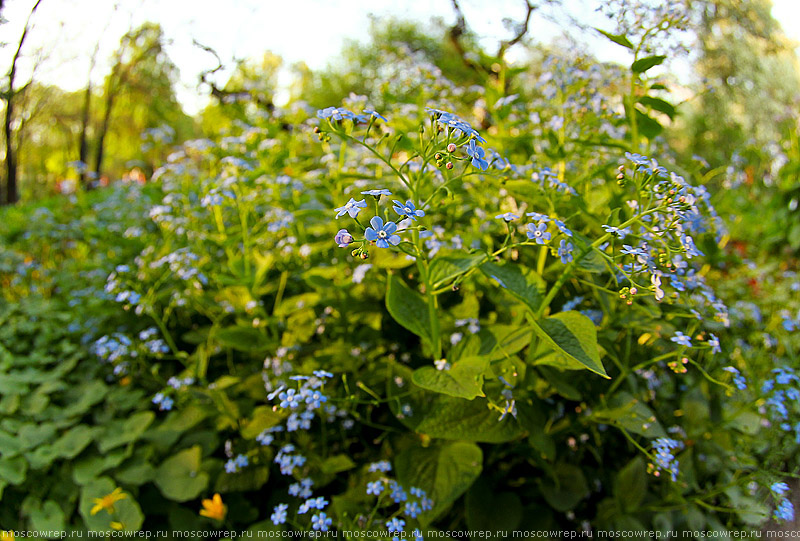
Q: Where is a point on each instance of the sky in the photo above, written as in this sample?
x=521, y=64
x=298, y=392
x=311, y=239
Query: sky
x=313, y=31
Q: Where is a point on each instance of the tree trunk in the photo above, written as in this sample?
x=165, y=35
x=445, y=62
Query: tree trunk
x=101, y=137
x=83, y=148
x=11, y=159
x=12, y=194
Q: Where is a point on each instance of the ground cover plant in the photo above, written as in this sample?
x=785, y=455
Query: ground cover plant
x=432, y=307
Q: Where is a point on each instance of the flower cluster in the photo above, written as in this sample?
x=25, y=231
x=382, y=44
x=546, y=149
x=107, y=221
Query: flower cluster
x=784, y=511
x=785, y=384
x=411, y=503
x=664, y=457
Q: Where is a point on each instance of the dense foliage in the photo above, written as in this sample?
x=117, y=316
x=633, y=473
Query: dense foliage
x=433, y=306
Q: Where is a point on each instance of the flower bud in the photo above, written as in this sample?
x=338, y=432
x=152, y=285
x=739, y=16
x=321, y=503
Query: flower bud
x=451, y=148
x=449, y=165
x=343, y=238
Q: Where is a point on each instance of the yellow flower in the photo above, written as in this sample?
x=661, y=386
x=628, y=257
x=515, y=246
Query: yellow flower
x=6, y=534
x=107, y=502
x=214, y=508
x=116, y=525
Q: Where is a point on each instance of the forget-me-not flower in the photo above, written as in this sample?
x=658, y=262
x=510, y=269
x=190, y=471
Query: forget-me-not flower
x=352, y=208
x=382, y=234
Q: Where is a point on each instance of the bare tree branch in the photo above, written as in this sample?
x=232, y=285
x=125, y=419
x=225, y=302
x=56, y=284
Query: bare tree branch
x=455, y=35
x=523, y=29
x=222, y=94
x=11, y=158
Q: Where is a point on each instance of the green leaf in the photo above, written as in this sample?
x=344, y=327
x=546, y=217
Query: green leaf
x=573, y=335
x=443, y=269
x=387, y=259
x=85, y=470
x=179, y=477
x=13, y=470
x=534, y=421
x=567, y=490
x=521, y=282
x=32, y=435
x=630, y=413
x=444, y=471
x=644, y=64
x=630, y=485
x=123, y=432
x=126, y=510
x=263, y=417
x=337, y=464
x=489, y=511
x=245, y=339
x=73, y=441
x=648, y=126
x=175, y=424
x=464, y=378
x=657, y=104
x=253, y=478
x=47, y=518
x=453, y=418
x=619, y=39
x=407, y=307
x=503, y=341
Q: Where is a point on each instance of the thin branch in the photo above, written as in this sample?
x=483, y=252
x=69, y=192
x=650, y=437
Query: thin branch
x=523, y=29
x=455, y=34
x=220, y=93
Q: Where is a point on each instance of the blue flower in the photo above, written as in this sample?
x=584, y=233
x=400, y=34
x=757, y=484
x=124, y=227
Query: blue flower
x=374, y=114
x=682, y=339
x=380, y=466
x=738, y=379
x=638, y=159
x=242, y=461
x=452, y=121
x=382, y=234
x=314, y=399
x=664, y=457
x=352, y=208
x=231, y=467
x=279, y=514
x=336, y=113
x=417, y=535
x=562, y=227
x=398, y=494
x=265, y=438
x=508, y=216
x=537, y=217
x=412, y=509
x=714, y=343
x=779, y=488
x=538, y=232
x=377, y=193
x=321, y=522
x=408, y=210
x=477, y=154
x=621, y=233
x=630, y=250
x=785, y=511
x=289, y=399
x=396, y=525
x=164, y=403
x=375, y=488
x=565, y=251
x=343, y=238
